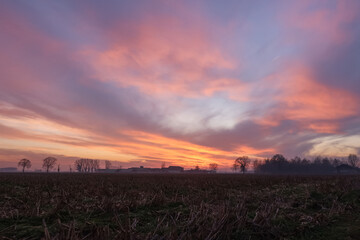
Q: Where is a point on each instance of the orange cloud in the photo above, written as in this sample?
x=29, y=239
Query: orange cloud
x=45, y=137
x=179, y=152
x=324, y=127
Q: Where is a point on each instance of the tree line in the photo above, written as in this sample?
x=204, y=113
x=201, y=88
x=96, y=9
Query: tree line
x=85, y=165
x=81, y=165
x=278, y=164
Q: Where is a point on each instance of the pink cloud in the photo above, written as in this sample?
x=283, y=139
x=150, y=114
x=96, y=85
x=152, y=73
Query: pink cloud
x=303, y=99
x=319, y=24
x=163, y=57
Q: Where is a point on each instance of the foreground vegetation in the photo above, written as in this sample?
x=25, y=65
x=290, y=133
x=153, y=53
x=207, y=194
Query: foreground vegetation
x=183, y=206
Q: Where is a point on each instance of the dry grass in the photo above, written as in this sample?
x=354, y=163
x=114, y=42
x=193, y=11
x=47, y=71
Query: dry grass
x=214, y=206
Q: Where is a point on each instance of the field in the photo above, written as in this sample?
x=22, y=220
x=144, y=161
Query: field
x=183, y=206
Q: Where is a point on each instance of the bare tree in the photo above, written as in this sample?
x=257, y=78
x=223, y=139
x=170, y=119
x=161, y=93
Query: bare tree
x=163, y=165
x=82, y=165
x=58, y=168
x=353, y=160
x=86, y=165
x=242, y=162
x=234, y=167
x=213, y=166
x=24, y=163
x=107, y=164
x=94, y=165
x=79, y=165
x=49, y=163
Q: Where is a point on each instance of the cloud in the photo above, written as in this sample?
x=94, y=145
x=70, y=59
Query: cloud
x=161, y=56
x=304, y=99
x=184, y=83
x=336, y=145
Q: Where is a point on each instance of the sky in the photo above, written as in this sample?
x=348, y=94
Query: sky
x=182, y=82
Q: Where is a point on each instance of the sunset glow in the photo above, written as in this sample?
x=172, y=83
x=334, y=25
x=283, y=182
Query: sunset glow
x=187, y=83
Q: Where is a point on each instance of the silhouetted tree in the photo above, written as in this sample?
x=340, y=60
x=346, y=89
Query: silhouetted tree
x=197, y=168
x=213, y=166
x=24, y=163
x=256, y=164
x=58, y=168
x=163, y=165
x=107, y=164
x=79, y=165
x=86, y=165
x=95, y=165
x=49, y=163
x=335, y=162
x=234, y=167
x=242, y=162
x=278, y=158
x=296, y=160
x=353, y=160
x=278, y=164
